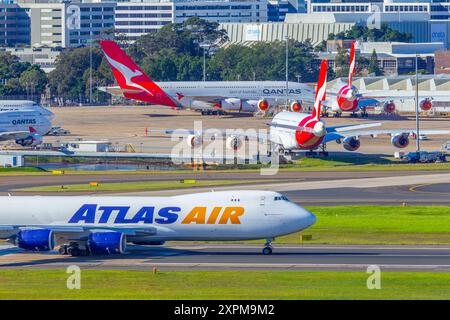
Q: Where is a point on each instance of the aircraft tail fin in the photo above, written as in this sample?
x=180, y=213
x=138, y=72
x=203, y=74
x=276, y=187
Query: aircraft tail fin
x=352, y=68
x=130, y=77
x=320, y=90
x=32, y=130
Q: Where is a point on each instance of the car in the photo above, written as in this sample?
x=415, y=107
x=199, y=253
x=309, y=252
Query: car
x=58, y=131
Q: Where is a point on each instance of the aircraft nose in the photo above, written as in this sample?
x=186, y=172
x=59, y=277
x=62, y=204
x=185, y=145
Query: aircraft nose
x=304, y=218
x=310, y=218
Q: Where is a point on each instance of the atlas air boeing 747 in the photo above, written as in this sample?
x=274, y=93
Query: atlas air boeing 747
x=83, y=225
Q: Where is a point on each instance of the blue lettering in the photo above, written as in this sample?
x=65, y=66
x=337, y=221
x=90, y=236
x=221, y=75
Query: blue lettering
x=168, y=215
x=145, y=214
x=86, y=213
x=107, y=211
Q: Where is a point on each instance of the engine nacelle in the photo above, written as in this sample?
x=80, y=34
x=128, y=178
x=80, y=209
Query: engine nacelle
x=234, y=143
x=400, y=140
x=426, y=104
x=389, y=107
x=230, y=104
x=263, y=105
x=35, y=239
x=32, y=140
x=194, y=141
x=107, y=242
x=351, y=143
x=296, y=106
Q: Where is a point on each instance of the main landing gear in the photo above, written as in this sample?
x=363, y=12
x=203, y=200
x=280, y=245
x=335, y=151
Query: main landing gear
x=74, y=250
x=267, y=247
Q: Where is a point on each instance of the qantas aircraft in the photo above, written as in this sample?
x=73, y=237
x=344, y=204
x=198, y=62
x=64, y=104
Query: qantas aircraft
x=209, y=97
x=26, y=127
x=22, y=105
x=84, y=225
x=292, y=131
x=349, y=99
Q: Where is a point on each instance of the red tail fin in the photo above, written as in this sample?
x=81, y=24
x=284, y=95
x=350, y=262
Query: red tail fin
x=352, y=68
x=129, y=76
x=321, y=89
x=32, y=130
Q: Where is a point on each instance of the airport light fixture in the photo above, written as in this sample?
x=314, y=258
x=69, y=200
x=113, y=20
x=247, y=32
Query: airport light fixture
x=417, y=107
x=287, y=71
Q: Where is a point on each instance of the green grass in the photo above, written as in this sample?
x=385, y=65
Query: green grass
x=18, y=170
x=377, y=225
x=137, y=186
x=332, y=163
x=119, y=284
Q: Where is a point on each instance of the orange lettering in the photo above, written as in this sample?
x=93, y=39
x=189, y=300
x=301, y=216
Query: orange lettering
x=232, y=214
x=214, y=214
x=196, y=215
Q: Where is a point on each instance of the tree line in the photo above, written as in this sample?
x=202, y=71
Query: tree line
x=176, y=52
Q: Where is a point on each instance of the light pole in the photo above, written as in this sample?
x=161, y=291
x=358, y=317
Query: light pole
x=417, y=107
x=287, y=71
x=204, y=64
x=90, y=71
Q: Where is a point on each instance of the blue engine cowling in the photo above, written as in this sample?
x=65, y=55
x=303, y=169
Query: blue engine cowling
x=107, y=242
x=35, y=239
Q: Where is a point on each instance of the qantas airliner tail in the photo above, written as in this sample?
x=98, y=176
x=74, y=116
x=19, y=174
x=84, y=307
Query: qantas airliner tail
x=134, y=83
x=320, y=90
x=352, y=68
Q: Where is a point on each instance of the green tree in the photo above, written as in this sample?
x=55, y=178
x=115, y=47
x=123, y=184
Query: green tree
x=373, y=64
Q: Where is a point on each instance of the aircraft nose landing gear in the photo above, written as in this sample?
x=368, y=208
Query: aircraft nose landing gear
x=267, y=247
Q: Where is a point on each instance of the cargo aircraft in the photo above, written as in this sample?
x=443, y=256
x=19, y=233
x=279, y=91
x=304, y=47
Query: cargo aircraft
x=84, y=225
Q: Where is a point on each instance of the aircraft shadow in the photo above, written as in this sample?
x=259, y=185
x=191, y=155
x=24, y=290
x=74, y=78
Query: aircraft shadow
x=142, y=252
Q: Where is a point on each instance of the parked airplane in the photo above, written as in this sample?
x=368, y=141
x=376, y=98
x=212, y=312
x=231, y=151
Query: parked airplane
x=349, y=99
x=21, y=105
x=209, y=97
x=25, y=127
x=299, y=131
x=104, y=225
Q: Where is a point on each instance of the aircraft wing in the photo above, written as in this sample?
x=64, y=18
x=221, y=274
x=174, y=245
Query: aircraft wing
x=374, y=133
x=213, y=133
x=13, y=135
x=80, y=232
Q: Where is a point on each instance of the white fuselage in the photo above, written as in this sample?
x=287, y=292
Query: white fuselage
x=14, y=121
x=236, y=95
x=227, y=215
x=22, y=105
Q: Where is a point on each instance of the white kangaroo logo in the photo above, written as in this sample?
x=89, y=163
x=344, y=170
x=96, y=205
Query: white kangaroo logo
x=127, y=73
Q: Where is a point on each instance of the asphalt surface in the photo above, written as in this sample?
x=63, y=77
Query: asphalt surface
x=8, y=183
x=245, y=257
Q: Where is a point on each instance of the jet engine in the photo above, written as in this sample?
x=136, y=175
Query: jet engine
x=32, y=140
x=194, y=141
x=107, y=242
x=35, y=239
x=234, y=143
x=296, y=106
x=351, y=143
x=400, y=140
x=230, y=104
x=389, y=107
x=426, y=104
x=263, y=105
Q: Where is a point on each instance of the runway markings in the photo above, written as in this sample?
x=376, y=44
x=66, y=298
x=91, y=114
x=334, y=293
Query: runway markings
x=415, y=187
